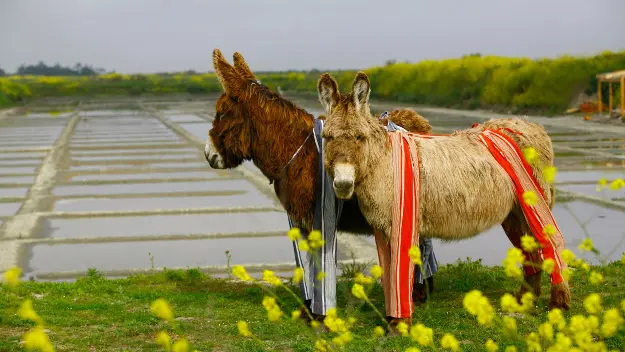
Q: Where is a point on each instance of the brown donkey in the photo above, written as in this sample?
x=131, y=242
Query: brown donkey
x=463, y=190
x=253, y=123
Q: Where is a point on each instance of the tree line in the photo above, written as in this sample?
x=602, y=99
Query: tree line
x=43, y=69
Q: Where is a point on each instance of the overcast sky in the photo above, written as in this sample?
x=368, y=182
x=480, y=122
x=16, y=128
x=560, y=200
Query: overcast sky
x=173, y=35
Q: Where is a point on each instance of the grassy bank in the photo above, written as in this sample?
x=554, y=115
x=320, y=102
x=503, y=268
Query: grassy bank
x=500, y=83
x=97, y=314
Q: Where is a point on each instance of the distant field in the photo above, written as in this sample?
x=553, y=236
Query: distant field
x=518, y=84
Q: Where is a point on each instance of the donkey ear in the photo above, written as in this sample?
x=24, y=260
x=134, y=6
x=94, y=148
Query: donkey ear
x=242, y=68
x=230, y=80
x=328, y=91
x=361, y=90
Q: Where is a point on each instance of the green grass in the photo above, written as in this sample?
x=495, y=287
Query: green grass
x=97, y=314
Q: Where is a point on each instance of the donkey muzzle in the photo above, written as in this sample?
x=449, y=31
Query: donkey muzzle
x=214, y=159
x=344, y=178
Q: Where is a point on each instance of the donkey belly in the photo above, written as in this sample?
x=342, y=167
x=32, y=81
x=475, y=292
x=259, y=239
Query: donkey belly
x=463, y=193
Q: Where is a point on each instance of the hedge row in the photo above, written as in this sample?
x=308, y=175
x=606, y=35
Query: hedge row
x=548, y=85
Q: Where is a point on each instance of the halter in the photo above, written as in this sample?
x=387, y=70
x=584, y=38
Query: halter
x=294, y=155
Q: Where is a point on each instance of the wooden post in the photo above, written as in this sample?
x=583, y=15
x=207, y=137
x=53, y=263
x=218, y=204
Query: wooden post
x=599, y=103
x=610, y=100
x=623, y=97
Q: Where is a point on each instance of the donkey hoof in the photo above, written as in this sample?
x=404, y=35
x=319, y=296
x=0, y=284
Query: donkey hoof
x=419, y=294
x=560, y=297
x=394, y=322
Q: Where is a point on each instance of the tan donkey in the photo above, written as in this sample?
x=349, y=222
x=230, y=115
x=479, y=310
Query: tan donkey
x=458, y=188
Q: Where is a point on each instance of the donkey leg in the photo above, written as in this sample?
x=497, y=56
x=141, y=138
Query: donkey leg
x=515, y=227
x=422, y=289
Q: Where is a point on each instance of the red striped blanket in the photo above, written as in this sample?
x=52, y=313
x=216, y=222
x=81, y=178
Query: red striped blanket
x=405, y=223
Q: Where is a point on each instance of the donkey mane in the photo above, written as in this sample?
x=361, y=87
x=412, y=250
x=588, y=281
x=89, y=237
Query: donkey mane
x=274, y=104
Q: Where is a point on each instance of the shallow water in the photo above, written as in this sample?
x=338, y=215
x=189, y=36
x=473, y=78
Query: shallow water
x=230, y=223
x=121, y=137
x=167, y=187
x=125, y=204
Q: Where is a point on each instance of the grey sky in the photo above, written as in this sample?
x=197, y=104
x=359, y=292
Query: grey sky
x=173, y=35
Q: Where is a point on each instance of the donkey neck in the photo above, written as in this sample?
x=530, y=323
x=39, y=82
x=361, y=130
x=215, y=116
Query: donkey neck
x=278, y=133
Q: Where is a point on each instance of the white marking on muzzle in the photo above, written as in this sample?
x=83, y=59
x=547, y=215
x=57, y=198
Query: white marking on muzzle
x=212, y=156
x=344, y=178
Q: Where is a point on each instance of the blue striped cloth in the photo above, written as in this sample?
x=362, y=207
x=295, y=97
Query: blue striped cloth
x=322, y=293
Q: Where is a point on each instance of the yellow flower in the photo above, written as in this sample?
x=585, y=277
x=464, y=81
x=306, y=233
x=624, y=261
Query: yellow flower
x=595, y=278
x=549, y=230
x=549, y=173
x=37, y=339
x=533, y=342
x=623, y=258
x=164, y=340
x=509, y=324
x=592, y=303
x=303, y=245
x=563, y=342
x=586, y=245
x=296, y=314
x=274, y=313
x=333, y=322
x=567, y=256
x=476, y=304
x=298, y=275
x=343, y=338
x=509, y=303
x=403, y=328
x=161, y=309
x=294, y=234
x=27, y=312
x=12, y=276
x=617, y=184
x=546, y=331
x=359, y=292
x=556, y=317
x=449, y=342
x=612, y=321
x=314, y=239
x=422, y=334
x=528, y=243
x=376, y=270
x=530, y=154
x=412, y=349
x=181, y=345
x=240, y=272
x=378, y=331
x=321, y=275
x=602, y=183
x=512, y=261
x=269, y=302
x=270, y=277
x=548, y=265
x=362, y=279
x=322, y=345
x=567, y=273
x=314, y=324
x=415, y=255
x=527, y=302
x=530, y=198
x=491, y=346
x=510, y=349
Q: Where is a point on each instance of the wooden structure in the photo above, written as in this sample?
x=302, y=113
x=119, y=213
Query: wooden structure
x=611, y=77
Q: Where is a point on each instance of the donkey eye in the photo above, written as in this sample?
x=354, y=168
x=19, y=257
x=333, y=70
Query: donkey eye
x=360, y=137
